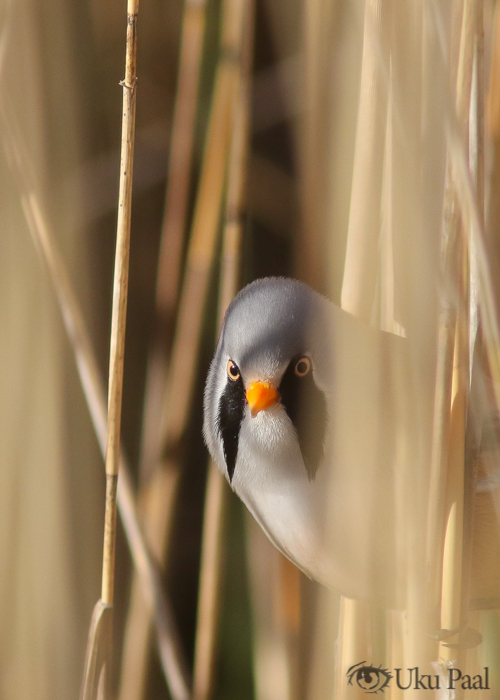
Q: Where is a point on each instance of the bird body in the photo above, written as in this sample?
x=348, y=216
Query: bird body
x=302, y=419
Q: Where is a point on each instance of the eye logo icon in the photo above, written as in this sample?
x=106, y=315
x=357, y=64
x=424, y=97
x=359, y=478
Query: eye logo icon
x=369, y=678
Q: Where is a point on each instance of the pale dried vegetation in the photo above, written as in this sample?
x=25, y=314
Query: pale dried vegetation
x=354, y=144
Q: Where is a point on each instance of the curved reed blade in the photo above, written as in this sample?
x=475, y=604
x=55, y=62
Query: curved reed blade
x=96, y=671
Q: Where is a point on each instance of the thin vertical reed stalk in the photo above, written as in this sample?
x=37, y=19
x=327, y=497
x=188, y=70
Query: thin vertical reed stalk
x=182, y=369
x=170, y=651
x=117, y=350
x=119, y=310
x=174, y=224
x=211, y=556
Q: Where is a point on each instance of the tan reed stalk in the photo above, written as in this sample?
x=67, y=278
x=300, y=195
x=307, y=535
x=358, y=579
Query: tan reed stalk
x=477, y=114
x=475, y=345
x=211, y=553
x=358, y=287
x=119, y=312
x=353, y=638
x=492, y=126
x=170, y=651
x=290, y=615
x=159, y=496
x=493, y=138
x=452, y=557
x=456, y=557
x=182, y=369
x=448, y=318
x=318, y=21
x=209, y=586
x=117, y=348
x=359, y=281
x=174, y=224
x=441, y=422
x=493, y=98
x=275, y=617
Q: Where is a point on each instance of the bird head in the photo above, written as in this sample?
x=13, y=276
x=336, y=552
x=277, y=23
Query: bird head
x=265, y=392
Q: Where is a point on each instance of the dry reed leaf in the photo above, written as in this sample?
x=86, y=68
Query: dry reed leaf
x=96, y=670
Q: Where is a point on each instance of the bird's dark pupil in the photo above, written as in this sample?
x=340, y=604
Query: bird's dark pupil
x=233, y=371
x=302, y=367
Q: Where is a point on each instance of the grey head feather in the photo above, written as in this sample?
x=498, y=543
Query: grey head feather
x=268, y=323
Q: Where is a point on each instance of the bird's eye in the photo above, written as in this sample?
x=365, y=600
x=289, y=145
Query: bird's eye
x=303, y=367
x=369, y=678
x=233, y=371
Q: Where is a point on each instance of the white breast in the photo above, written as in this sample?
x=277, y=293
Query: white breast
x=271, y=479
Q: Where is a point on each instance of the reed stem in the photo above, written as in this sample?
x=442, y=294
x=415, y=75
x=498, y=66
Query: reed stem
x=103, y=643
x=119, y=312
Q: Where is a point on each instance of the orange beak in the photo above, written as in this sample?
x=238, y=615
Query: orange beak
x=261, y=395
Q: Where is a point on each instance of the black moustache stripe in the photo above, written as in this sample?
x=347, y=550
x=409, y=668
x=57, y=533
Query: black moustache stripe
x=230, y=415
x=305, y=405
